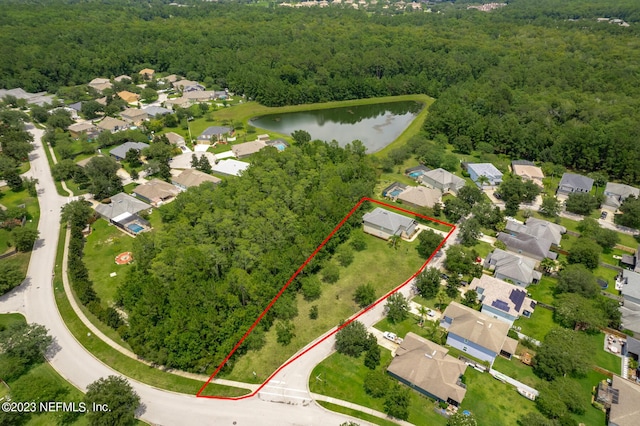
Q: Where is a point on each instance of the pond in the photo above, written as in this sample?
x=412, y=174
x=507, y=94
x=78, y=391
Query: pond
x=376, y=125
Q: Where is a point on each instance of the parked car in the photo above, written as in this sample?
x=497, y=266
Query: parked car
x=603, y=215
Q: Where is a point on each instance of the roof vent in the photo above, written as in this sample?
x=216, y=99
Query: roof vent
x=480, y=322
x=490, y=324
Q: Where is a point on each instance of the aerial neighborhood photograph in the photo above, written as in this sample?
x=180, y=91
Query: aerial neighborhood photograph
x=319, y=212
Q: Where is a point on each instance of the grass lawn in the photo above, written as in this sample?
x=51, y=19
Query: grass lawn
x=544, y=290
x=410, y=324
x=601, y=358
x=538, y=325
x=103, y=245
x=343, y=377
x=483, y=248
x=50, y=161
x=524, y=373
x=492, y=402
x=354, y=413
x=379, y=264
x=7, y=319
x=517, y=370
x=125, y=365
x=128, y=188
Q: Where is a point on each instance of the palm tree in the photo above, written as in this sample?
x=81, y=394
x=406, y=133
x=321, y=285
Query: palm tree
x=423, y=312
x=483, y=180
x=547, y=265
x=394, y=240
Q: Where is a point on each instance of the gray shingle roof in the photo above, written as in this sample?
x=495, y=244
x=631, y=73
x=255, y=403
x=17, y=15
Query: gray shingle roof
x=626, y=411
x=214, y=131
x=121, y=203
x=512, y=266
x=121, y=151
x=392, y=222
x=527, y=245
x=572, y=182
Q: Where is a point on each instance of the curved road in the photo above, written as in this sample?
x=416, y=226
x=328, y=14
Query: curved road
x=35, y=299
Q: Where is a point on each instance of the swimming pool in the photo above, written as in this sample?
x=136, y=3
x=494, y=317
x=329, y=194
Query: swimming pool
x=280, y=146
x=415, y=174
x=395, y=192
x=135, y=227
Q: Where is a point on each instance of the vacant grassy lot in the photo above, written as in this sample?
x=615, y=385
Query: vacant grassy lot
x=380, y=265
x=342, y=377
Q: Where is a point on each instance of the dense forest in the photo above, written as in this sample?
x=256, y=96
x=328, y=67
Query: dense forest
x=225, y=252
x=538, y=80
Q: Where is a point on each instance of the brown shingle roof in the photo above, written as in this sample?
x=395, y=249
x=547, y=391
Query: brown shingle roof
x=477, y=327
x=427, y=365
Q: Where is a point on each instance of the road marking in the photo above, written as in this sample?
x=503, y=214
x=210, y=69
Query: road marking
x=287, y=396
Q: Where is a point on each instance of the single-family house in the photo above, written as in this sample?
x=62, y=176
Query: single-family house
x=187, y=86
x=572, y=182
x=120, y=152
x=40, y=98
x=119, y=204
x=122, y=78
x=630, y=261
x=147, y=73
x=426, y=367
x=156, y=111
x=632, y=349
x=77, y=106
x=508, y=266
x=129, y=97
x=184, y=160
x=100, y=84
x=156, y=192
x=527, y=245
x=628, y=283
x=230, y=167
x=112, y=124
x=175, y=139
x=190, y=178
x=419, y=196
x=213, y=133
x=538, y=228
x=484, y=174
x=443, y=180
x=171, y=78
x=78, y=129
x=176, y=103
x=616, y=193
x=384, y=224
x=246, y=149
x=501, y=300
x=197, y=96
x=621, y=403
x=528, y=171
x=477, y=334
x=134, y=116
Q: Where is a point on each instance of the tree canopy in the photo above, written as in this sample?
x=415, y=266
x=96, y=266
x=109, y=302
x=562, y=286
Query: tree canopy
x=225, y=251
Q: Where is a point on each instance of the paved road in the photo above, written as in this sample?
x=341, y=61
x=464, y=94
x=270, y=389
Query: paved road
x=35, y=299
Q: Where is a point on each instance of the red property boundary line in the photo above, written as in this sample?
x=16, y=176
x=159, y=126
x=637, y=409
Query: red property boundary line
x=353, y=318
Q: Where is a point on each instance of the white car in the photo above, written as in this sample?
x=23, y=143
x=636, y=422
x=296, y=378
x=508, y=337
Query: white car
x=389, y=336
